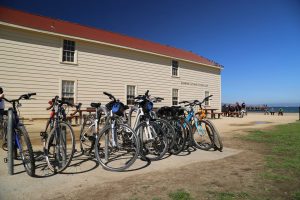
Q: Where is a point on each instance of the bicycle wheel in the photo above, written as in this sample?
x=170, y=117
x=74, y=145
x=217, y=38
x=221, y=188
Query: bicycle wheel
x=152, y=147
x=179, y=138
x=60, y=147
x=23, y=144
x=87, y=135
x=202, y=136
x=119, y=154
x=3, y=138
x=169, y=131
x=189, y=133
x=218, y=144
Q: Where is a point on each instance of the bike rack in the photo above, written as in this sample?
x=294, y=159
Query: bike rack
x=10, y=143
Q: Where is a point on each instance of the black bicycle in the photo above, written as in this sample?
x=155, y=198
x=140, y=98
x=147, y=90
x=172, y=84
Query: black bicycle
x=17, y=138
x=59, y=145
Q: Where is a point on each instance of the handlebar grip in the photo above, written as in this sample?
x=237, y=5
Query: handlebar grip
x=210, y=96
x=32, y=94
x=107, y=94
x=147, y=93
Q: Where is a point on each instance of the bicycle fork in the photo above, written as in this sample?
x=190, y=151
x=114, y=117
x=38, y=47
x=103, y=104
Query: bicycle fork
x=114, y=141
x=150, y=132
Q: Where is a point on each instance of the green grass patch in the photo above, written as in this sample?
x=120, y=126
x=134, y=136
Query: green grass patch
x=180, y=194
x=228, y=195
x=284, y=142
x=283, y=161
x=296, y=196
x=276, y=177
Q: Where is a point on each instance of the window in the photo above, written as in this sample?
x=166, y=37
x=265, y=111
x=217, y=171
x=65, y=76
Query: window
x=206, y=95
x=174, y=97
x=68, y=54
x=130, y=94
x=174, y=68
x=68, y=91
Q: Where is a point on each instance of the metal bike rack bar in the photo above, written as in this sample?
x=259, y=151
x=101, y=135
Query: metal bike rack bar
x=10, y=143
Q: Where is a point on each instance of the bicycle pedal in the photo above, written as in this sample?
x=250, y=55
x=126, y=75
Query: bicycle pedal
x=5, y=160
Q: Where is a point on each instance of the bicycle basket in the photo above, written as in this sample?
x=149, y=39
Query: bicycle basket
x=118, y=108
x=148, y=106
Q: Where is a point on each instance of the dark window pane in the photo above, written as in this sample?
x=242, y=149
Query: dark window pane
x=68, y=51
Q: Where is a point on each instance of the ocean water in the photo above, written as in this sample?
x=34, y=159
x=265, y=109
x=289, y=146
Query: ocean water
x=285, y=109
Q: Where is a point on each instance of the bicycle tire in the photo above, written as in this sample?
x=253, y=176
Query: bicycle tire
x=4, y=135
x=218, y=143
x=86, y=136
x=58, y=157
x=169, y=131
x=203, y=140
x=189, y=140
x=114, y=158
x=27, y=156
x=10, y=144
x=180, y=137
x=159, y=143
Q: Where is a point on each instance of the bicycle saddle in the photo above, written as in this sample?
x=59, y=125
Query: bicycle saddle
x=95, y=105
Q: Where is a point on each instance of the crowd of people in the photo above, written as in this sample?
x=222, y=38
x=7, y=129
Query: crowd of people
x=236, y=109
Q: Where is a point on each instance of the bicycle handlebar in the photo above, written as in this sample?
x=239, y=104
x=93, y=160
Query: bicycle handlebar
x=157, y=99
x=206, y=98
x=78, y=106
x=110, y=96
x=147, y=93
x=23, y=96
x=180, y=102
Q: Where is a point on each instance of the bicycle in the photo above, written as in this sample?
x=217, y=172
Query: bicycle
x=117, y=145
x=175, y=115
x=203, y=133
x=17, y=138
x=59, y=144
x=90, y=128
x=154, y=141
x=3, y=130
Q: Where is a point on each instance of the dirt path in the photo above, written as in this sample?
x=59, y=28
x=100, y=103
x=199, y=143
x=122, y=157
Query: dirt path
x=203, y=174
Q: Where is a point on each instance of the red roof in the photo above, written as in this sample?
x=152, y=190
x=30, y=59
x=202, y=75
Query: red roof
x=20, y=18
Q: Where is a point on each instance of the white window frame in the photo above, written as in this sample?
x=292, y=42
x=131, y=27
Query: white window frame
x=206, y=103
x=126, y=90
x=62, y=51
x=172, y=96
x=176, y=76
x=75, y=88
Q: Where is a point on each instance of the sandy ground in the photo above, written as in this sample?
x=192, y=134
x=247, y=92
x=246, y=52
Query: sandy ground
x=86, y=179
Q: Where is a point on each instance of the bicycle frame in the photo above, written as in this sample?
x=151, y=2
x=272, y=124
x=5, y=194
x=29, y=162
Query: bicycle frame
x=140, y=113
x=191, y=118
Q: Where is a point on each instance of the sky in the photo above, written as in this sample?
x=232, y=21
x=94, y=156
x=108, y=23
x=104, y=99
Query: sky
x=257, y=41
